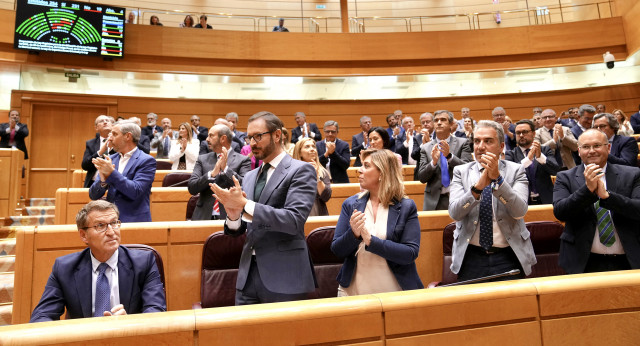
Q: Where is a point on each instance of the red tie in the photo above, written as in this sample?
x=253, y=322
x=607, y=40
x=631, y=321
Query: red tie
x=216, y=205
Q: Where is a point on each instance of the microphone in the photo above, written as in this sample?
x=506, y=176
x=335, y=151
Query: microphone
x=511, y=272
x=178, y=183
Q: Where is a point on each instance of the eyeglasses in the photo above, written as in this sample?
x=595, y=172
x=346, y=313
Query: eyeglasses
x=547, y=117
x=601, y=126
x=594, y=147
x=257, y=137
x=102, y=227
x=522, y=133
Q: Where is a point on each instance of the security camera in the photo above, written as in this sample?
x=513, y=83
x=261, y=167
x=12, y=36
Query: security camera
x=609, y=60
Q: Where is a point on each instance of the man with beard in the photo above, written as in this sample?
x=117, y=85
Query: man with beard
x=272, y=207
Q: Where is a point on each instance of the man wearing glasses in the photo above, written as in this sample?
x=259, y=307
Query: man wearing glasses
x=272, y=207
x=537, y=161
x=557, y=137
x=105, y=279
x=333, y=153
x=624, y=150
x=600, y=205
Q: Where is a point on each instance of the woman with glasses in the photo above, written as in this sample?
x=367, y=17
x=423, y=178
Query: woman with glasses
x=305, y=150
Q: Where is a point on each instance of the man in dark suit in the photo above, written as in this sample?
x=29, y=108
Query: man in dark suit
x=425, y=135
x=105, y=279
x=394, y=130
x=635, y=122
x=232, y=118
x=333, y=153
x=13, y=133
x=585, y=119
x=304, y=129
x=572, y=120
x=218, y=166
x=151, y=129
x=600, y=205
x=199, y=132
x=500, y=116
x=538, y=162
x=126, y=176
x=442, y=153
x=360, y=140
x=96, y=147
x=144, y=143
x=624, y=150
x=407, y=142
x=271, y=207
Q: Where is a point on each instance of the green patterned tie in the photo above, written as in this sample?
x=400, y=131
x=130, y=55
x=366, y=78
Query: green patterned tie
x=605, y=226
x=262, y=181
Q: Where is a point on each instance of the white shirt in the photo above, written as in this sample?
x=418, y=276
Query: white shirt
x=443, y=190
x=112, y=275
x=542, y=159
x=597, y=246
x=124, y=159
x=409, y=146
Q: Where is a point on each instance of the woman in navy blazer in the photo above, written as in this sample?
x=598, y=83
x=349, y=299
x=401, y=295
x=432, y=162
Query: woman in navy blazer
x=382, y=206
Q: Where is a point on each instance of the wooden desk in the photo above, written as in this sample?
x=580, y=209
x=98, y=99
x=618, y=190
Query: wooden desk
x=11, y=162
x=77, y=177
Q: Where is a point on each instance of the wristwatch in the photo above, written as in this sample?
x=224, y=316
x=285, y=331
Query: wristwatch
x=475, y=190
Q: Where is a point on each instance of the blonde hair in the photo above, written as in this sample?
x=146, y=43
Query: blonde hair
x=296, y=155
x=189, y=131
x=391, y=187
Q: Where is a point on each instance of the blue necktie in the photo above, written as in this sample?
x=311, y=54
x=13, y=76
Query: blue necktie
x=444, y=170
x=531, y=174
x=486, y=219
x=165, y=150
x=103, y=292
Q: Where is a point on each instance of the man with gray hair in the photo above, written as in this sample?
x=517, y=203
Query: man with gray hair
x=500, y=116
x=585, y=120
x=126, y=176
x=232, y=118
x=333, y=153
x=557, y=137
x=360, y=140
x=624, y=150
x=489, y=201
x=304, y=129
x=96, y=147
x=152, y=128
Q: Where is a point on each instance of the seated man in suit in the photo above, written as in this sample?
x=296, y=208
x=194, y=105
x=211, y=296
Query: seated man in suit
x=272, y=207
x=538, y=162
x=407, y=142
x=105, y=279
x=13, y=133
x=500, y=116
x=199, y=132
x=151, y=129
x=304, y=129
x=232, y=118
x=438, y=157
x=333, y=153
x=558, y=138
x=162, y=140
x=489, y=202
x=360, y=140
x=599, y=202
x=96, y=147
x=126, y=176
x=218, y=166
x=394, y=130
x=624, y=150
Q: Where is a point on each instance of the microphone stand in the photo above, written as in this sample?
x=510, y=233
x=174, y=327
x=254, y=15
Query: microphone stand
x=484, y=278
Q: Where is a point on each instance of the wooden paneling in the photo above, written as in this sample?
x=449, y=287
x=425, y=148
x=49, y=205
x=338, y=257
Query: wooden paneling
x=607, y=329
x=11, y=161
x=527, y=333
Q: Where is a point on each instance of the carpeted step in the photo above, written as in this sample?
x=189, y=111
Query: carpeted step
x=7, y=247
x=6, y=287
x=40, y=202
x=5, y=314
x=40, y=210
x=7, y=263
x=32, y=220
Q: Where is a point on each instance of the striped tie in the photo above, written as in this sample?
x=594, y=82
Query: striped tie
x=605, y=226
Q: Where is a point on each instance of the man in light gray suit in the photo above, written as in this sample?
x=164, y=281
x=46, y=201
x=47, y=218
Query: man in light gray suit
x=218, y=166
x=557, y=137
x=162, y=140
x=488, y=202
x=272, y=207
x=441, y=153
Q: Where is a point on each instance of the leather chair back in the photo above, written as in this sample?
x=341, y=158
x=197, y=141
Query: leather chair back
x=325, y=263
x=159, y=263
x=191, y=206
x=176, y=179
x=220, y=262
x=163, y=165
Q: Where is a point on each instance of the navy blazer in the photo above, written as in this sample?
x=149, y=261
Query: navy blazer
x=577, y=131
x=340, y=160
x=91, y=152
x=148, y=131
x=19, y=137
x=508, y=142
x=130, y=190
x=296, y=132
x=69, y=286
x=403, y=151
x=624, y=151
x=400, y=249
x=544, y=185
x=573, y=203
x=276, y=232
x=357, y=145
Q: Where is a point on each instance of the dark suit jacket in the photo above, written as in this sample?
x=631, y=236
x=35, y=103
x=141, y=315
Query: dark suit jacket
x=400, y=249
x=204, y=147
x=240, y=135
x=415, y=154
x=577, y=131
x=296, y=132
x=635, y=122
x=69, y=286
x=340, y=160
x=148, y=131
x=570, y=123
x=573, y=203
x=238, y=165
x=357, y=145
x=276, y=233
x=624, y=151
x=432, y=176
x=144, y=144
x=19, y=137
x=508, y=142
x=91, y=152
x=404, y=152
x=544, y=185
x=203, y=133
x=130, y=190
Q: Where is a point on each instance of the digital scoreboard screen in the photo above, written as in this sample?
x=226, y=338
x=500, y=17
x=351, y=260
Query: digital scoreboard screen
x=70, y=27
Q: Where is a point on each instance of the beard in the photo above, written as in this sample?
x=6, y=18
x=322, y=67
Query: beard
x=266, y=152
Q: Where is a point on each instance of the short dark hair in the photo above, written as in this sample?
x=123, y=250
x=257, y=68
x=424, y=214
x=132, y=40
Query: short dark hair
x=383, y=134
x=203, y=16
x=273, y=122
x=527, y=122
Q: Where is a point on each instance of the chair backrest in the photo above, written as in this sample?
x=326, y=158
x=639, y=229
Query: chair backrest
x=325, y=263
x=176, y=179
x=163, y=165
x=448, y=276
x=220, y=262
x=159, y=263
x=191, y=206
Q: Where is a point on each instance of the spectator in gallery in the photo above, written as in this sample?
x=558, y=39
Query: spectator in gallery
x=184, y=150
x=132, y=17
x=625, y=125
x=203, y=23
x=378, y=233
x=13, y=133
x=187, y=22
x=305, y=150
x=154, y=20
x=280, y=27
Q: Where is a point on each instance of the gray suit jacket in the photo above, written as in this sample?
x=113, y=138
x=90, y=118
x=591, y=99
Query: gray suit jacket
x=276, y=232
x=509, y=208
x=238, y=165
x=566, y=145
x=158, y=143
x=432, y=176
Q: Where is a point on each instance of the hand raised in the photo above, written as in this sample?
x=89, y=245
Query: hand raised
x=357, y=222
